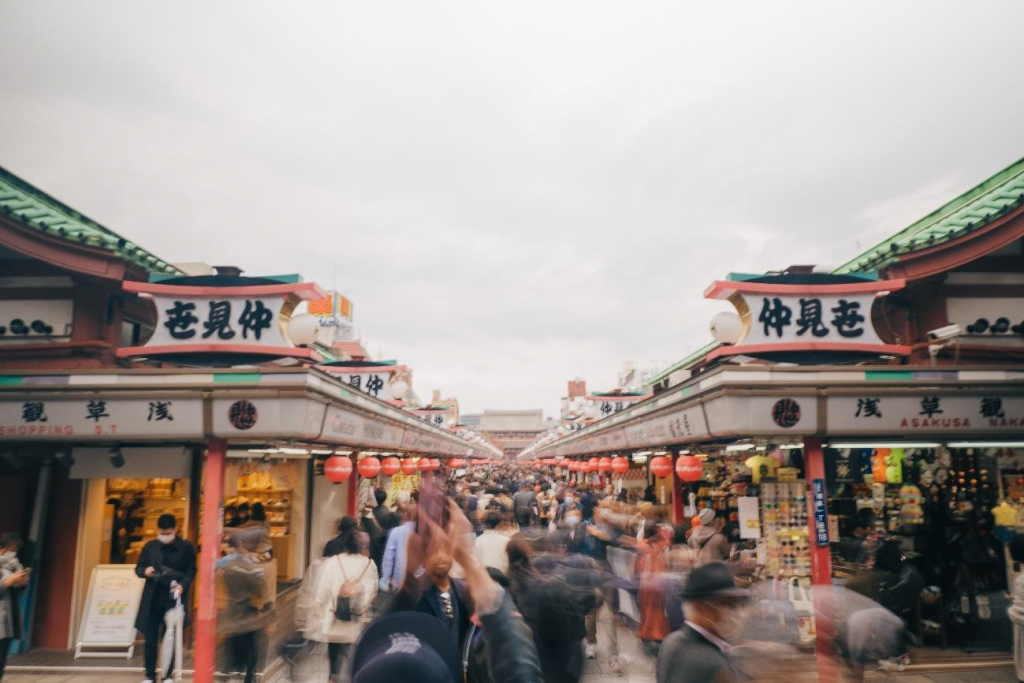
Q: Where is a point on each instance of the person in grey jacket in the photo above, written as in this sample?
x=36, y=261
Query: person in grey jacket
x=698, y=652
x=12, y=577
x=707, y=541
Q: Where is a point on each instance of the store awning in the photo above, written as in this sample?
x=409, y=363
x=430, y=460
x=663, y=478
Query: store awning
x=188, y=406
x=789, y=402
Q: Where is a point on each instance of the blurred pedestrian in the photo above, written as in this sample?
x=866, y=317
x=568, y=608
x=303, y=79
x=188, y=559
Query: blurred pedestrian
x=346, y=588
x=392, y=572
x=714, y=608
x=377, y=522
x=650, y=572
x=1017, y=608
x=707, y=541
x=490, y=545
x=247, y=613
x=13, y=577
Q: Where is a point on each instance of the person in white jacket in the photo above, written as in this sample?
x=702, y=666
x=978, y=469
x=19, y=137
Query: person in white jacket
x=356, y=573
x=1017, y=607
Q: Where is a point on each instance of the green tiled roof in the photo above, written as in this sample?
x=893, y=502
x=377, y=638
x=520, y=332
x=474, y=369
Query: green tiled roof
x=692, y=359
x=974, y=209
x=37, y=210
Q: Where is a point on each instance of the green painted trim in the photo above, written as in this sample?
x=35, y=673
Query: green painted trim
x=888, y=375
x=686, y=391
x=10, y=380
x=236, y=377
x=287, y=279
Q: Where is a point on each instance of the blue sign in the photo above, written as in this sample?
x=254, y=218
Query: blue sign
x=820, y=514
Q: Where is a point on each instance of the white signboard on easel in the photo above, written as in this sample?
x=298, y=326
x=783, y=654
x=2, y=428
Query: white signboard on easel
x=108, y=621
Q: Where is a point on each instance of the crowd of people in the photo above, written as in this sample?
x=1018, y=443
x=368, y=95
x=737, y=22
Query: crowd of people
x=505, y=575
x=550, y=559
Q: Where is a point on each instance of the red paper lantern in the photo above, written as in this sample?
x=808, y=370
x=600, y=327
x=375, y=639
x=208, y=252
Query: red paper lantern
x=423, y=464
x=337, y=469
x=594, y=464
x=689, y=468
x=565, y=463
x=368, y=468
x=409, y=466
x=606, y=464
x=661, y=466
x=435, y=464
x=390, y=466
x=456, y=463
x=585, y=467
x=620, y=465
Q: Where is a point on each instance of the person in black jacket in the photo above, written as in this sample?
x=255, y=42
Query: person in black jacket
x=377, y=523
x=168, y=564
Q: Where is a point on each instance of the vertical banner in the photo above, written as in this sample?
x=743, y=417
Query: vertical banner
x=820, y=514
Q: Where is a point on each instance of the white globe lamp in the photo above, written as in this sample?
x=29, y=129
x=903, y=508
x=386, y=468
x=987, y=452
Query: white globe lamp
x=303, y=328
x=726, y=327
x=399, y=389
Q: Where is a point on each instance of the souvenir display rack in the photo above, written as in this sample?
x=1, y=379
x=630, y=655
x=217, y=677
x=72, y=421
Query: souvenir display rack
x=784, y=528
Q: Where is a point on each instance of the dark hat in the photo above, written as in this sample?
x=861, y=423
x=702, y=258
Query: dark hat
x=713, y=581
x=406, y=646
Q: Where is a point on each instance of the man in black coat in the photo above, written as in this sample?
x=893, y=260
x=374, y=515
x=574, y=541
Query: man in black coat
x=698, y=652
x=377, y=523
x=168, y=564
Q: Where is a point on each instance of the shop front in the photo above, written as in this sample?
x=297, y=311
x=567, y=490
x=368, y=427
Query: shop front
x=143, y=443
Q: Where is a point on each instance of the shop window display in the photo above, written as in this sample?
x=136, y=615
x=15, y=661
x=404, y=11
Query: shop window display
x=132, y=509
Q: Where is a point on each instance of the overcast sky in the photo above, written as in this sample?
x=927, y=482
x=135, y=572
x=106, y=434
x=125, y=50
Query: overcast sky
x=512, y=193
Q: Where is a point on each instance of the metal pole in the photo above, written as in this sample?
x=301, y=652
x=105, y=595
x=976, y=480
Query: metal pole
x=212, y=521
x=821, y=565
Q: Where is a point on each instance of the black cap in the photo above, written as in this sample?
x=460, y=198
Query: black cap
x=406, y=646
x=713, y=581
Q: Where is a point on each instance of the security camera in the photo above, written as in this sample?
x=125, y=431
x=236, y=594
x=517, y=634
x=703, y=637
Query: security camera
x=947, y=332
x=116, y=457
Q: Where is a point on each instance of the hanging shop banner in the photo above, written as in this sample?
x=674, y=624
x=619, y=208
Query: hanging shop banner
x=762, y=415
x=250, y=319
x=790, y=318
x=243, y=418
x=936, y=413
x=95, y=417
x=820, y=512
x=108, y=619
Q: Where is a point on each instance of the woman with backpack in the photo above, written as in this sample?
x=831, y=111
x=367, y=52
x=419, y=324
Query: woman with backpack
x=346, y=588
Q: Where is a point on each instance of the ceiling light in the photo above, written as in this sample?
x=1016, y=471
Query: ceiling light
x=986, y=444
x=320, y=451
x=739, y=447
x=294, y=451
x=884, y=445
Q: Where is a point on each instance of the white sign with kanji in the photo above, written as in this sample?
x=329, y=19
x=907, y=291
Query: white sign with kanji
x=370, y=383
x=879, y=413
x=218, y=320
x=778, y=318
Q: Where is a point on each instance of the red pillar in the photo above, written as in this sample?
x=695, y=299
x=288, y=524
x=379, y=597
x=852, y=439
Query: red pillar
x=821, y=565
x=677, y=493
x=212, y=523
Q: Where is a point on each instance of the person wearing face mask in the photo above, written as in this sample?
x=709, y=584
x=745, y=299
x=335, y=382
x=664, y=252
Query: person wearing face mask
x=12, y=577
x=714, y=609
x=168, y=564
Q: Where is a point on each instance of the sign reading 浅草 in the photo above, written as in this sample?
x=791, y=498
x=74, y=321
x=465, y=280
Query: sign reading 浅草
x=99, y=417
x=932, y=413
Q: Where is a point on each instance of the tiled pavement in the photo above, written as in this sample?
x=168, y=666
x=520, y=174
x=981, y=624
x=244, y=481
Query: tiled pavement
x=637, y=667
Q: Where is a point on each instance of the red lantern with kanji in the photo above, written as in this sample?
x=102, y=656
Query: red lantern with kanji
x=368, y=468
x=456, y=463
x=390, y=466
x=689, y=468
x=661, y=466
x=620, y=465
x=409, y=466
x=337, y=469
x=606, y=464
